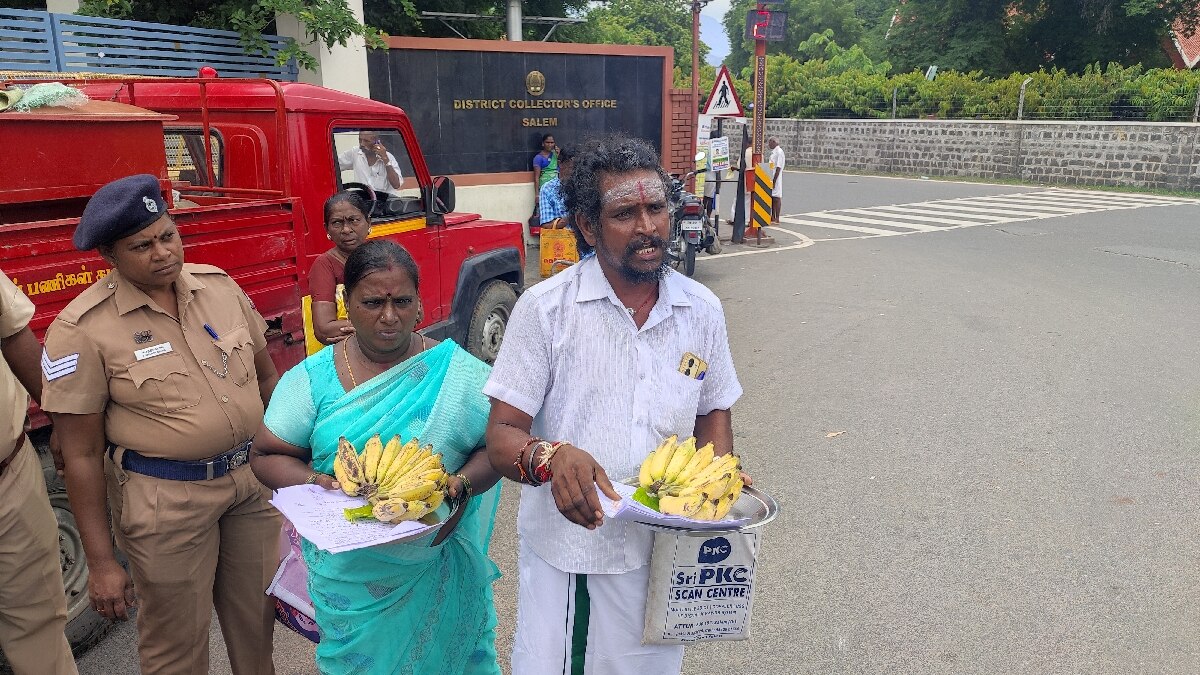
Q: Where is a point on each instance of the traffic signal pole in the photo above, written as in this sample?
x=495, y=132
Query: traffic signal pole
x=758, y=128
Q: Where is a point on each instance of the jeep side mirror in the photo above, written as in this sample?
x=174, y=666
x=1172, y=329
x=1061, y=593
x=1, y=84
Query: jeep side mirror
x=443, y=194
x=438, y=199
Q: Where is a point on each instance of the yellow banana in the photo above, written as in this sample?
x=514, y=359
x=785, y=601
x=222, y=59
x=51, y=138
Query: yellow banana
x=644, y=478
x=393, y=510
x=661, y=457
x=700, y=460
x=713, y=488
x=422, y=454
x=718, y=467
x=390, y=452
x=708, y=511
x=726, y=502
x=683, y=455
x=347, y=468
x=371, y=454
x=681, y=506
x=415, y=490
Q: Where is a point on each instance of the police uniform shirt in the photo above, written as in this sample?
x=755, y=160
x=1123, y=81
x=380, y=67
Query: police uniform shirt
x=114, y=350
x=15, y=312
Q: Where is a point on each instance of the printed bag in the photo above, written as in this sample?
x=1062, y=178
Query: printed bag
x=558, y=250
x=701, y=588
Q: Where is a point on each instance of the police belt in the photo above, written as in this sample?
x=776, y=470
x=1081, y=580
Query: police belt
x=171, y=469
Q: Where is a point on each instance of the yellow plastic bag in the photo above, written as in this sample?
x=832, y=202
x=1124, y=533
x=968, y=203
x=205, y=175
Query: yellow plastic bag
x=558, y=250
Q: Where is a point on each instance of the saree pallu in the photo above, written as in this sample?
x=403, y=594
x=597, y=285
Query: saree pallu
x=408, y=607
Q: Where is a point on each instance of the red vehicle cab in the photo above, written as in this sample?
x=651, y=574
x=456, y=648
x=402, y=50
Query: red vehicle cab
x=246, y=166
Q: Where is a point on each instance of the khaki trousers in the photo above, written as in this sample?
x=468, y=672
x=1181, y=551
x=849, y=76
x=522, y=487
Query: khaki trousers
x=193, y=546
x=33, y=605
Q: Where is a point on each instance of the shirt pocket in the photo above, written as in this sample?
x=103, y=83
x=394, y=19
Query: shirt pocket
x=163, y=384
x=680, y=396
x=238, y=344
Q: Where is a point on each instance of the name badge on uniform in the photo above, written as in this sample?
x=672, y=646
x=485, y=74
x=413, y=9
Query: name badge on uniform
x=693, y=366
x=156, y=350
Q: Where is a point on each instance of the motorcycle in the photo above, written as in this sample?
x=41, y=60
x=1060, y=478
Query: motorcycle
x=690, y=228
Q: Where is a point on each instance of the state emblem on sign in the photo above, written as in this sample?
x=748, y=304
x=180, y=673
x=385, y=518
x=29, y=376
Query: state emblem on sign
x=535, y=83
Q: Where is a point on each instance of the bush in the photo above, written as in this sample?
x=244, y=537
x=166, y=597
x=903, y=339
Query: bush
x=836, y=82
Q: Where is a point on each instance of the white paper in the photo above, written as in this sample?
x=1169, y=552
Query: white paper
x=319, y=515
x=633, y=511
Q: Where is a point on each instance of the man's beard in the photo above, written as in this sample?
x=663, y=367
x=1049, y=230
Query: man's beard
x=624, y=265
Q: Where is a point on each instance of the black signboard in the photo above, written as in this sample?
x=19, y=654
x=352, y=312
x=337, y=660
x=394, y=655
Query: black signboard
x=769, y=25
x=486, y=111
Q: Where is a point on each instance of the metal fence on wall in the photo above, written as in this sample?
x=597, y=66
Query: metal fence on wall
x=1026, y=103
x=69, y=43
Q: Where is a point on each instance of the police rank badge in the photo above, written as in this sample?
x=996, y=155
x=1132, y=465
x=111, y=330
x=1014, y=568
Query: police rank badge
x=142, y=337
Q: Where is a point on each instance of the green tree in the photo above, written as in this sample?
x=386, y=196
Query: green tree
x=1001, y=36
x=665, y=23
x=962, y=35
x=1072, y=34
x=805, y=17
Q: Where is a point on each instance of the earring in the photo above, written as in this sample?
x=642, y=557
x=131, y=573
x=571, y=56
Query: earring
x=420, y=314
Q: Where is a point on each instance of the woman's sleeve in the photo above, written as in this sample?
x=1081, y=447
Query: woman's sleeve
x=321, y=281
x=292, y=413
x=540, y=162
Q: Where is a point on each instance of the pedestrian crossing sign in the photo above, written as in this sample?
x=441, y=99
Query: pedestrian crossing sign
x=723, y=100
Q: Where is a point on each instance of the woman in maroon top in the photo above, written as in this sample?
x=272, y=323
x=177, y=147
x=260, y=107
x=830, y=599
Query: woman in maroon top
x=347, y=225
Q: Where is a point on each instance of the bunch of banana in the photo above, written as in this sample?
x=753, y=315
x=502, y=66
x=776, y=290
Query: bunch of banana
x=400, y=481
x=681, y=480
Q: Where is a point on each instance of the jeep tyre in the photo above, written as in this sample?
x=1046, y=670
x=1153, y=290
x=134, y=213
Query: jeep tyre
x=490, y=319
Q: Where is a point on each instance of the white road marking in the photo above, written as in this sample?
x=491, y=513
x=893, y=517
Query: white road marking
x=956, y=213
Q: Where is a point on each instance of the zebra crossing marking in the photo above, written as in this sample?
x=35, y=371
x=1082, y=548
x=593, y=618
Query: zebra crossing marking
x=949, y=214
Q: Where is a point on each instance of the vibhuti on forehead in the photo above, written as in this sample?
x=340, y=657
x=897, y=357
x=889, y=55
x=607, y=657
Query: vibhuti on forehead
x=649, y=189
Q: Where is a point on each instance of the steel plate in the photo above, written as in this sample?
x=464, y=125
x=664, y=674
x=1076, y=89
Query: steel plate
x=754, y=504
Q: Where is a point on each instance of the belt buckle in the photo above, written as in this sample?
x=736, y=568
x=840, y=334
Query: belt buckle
x=239, y=458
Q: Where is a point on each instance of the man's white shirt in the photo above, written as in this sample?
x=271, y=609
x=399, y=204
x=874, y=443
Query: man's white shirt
x=574, y=360
x=375, y=174
x=777, y=162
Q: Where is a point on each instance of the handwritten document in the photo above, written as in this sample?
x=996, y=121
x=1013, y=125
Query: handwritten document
x=319, y=516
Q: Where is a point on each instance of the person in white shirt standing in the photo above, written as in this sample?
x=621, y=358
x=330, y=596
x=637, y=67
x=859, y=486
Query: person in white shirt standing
x=373, y=165
x=588, y=381
x=777, y=161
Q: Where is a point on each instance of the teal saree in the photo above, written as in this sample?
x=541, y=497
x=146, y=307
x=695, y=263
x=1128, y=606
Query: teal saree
x=408, y=607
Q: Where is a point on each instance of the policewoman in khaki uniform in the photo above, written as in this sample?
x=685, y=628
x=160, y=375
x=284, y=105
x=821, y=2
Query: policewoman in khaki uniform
x=33, y=606
x=156, y=377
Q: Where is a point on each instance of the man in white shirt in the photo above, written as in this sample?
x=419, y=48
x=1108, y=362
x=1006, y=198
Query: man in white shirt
x=372, y=163
x=591, y=362
x=777, y=161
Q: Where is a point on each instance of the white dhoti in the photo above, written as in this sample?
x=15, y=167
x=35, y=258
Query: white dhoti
x=584, y=623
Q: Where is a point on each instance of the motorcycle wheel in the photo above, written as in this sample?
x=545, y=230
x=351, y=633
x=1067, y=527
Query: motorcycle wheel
x=689, y=259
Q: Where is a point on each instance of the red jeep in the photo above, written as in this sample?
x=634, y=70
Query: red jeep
x=246, y=166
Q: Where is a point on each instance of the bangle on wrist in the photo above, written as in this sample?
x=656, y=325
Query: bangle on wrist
x=465, y=491
x=312, y=478
x=541, y=470
x=523, y=475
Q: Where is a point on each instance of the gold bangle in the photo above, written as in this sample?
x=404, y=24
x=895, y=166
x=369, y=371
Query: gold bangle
x=312, y=478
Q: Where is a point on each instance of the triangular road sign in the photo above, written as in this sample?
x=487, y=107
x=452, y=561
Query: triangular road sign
x=723, y=99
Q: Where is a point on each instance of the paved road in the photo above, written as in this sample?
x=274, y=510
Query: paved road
x=1014, y=485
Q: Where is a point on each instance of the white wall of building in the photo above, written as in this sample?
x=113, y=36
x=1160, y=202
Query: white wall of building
x=341, y=68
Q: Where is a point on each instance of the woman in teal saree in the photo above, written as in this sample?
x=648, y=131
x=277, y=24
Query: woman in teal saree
x=423, y=606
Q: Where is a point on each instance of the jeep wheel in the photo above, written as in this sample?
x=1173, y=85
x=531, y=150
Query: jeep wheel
x=84, y=626
x=490, y=318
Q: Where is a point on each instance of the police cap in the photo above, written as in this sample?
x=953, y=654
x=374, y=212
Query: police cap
x=119, y=209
